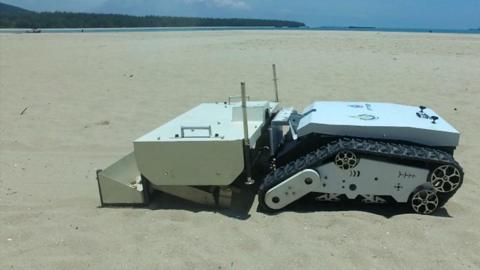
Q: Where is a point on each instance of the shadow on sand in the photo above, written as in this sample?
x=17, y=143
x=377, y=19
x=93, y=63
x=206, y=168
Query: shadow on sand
x=242, y=204
x=388, y=210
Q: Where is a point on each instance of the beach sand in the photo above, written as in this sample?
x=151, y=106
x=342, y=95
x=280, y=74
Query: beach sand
x=85, y=97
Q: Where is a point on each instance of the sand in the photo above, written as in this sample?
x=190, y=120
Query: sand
x=85, y=97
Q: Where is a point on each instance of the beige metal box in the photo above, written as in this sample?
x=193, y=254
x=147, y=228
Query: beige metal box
x=202, y=147
x=207, y=140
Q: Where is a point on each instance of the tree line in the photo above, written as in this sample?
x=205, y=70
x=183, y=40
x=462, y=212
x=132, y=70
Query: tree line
x=27, y=19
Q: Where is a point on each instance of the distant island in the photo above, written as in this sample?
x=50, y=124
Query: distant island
x=361, y=27
x=15, y=17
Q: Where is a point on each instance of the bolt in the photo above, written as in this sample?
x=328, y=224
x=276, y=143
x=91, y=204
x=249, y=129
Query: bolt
x=308, y=181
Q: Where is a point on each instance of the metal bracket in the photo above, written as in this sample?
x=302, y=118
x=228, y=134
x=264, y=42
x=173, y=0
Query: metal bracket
x=99, y=187
x=220, y=197
x=309, y=112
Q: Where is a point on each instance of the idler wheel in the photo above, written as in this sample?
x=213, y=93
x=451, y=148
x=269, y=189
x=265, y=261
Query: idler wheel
x=424, y=201
x=446, y=178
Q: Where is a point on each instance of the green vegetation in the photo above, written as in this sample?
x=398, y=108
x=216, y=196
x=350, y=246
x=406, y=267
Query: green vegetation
x=14, y=17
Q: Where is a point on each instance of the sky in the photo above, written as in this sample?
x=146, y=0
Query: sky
x=434, y=14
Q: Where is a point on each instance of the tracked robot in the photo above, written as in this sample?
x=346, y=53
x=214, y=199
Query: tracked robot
x=330, y=151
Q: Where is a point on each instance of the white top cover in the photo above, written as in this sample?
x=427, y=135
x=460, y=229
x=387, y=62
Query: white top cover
x=377, y=120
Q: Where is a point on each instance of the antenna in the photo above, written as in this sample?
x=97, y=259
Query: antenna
x=275, y=82
x=246, y=140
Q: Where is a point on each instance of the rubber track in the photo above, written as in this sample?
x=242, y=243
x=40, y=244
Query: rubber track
x=390, y=152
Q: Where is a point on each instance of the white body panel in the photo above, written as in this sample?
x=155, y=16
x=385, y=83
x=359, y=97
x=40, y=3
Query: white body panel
x=293, y=189
x=200, y=147
x=370, y=178
x=377, y=120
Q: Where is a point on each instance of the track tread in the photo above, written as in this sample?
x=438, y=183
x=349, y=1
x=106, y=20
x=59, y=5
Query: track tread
x=389, y=151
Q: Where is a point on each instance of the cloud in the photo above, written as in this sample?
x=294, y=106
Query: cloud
x=231, y=4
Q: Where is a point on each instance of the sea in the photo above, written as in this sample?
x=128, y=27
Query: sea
x=180, y=29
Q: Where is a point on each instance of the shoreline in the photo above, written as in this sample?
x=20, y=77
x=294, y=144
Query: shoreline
x=239, y=28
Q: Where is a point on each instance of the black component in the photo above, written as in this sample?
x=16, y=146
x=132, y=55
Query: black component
x=293, y=149
x=422, y=114
x=352, y=187
x=411, y=155
x=261, y=158
x=247, y=153
x=308, y=181
x=434, y=118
